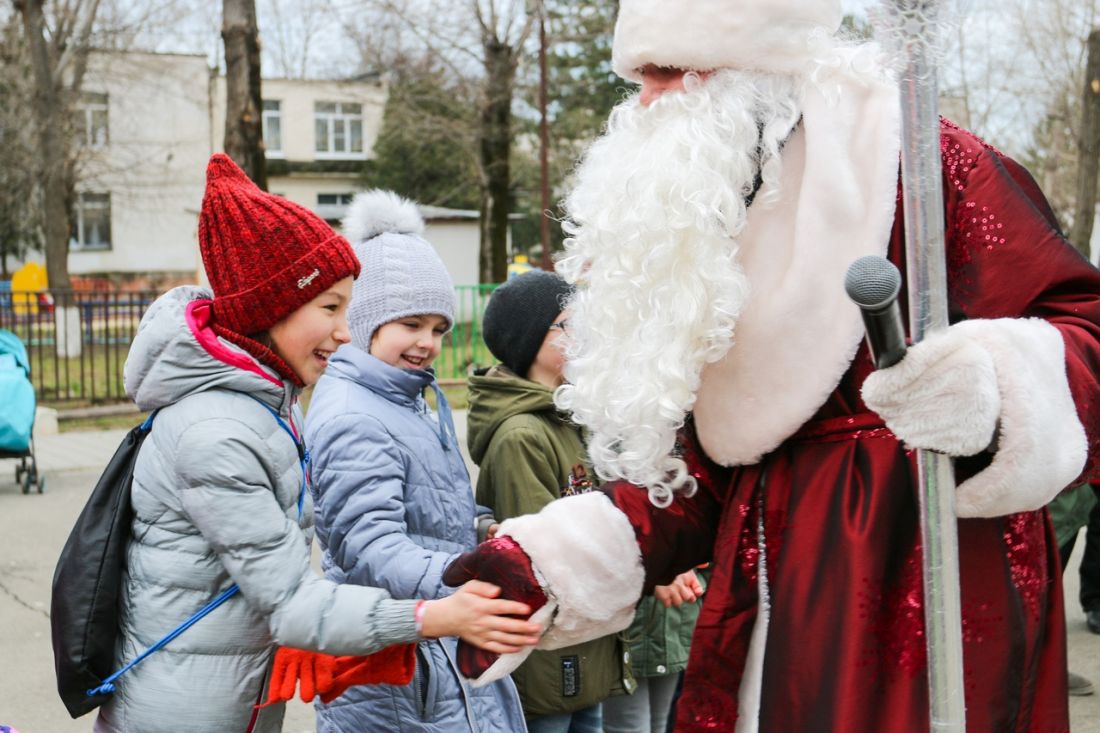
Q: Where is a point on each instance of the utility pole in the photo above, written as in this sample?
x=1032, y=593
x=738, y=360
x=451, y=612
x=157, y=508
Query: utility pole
x=544, y=145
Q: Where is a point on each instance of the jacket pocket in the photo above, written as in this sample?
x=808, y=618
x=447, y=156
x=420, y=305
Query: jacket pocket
x=424, y=683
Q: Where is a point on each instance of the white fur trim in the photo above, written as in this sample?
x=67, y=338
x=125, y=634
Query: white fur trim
x=586, y=551
x=1042, y=444
x=752, y=679
x=377, y=212
x=799, y=331
x=768, y=35
x=585, y=556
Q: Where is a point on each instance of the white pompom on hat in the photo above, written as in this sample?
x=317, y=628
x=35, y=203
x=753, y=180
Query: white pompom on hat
x=402, y=273
x=701, y=35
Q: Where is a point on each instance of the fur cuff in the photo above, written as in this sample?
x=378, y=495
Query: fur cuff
x=585, y=551
x=1042, y=445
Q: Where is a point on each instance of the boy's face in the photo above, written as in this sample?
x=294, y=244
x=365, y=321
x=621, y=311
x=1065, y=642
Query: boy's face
x=549, y=363
x=307, y=337
x=412, y=342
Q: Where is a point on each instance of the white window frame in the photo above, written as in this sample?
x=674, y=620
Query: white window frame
x=275, y=113
x=90, y=103
x=334, y=121
x=77, y=238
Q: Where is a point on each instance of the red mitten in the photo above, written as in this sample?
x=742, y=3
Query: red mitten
x=502, y=562
x=313, y=670
x=393, y=665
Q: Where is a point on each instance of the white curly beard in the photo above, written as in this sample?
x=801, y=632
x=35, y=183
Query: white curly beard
x=654, y=220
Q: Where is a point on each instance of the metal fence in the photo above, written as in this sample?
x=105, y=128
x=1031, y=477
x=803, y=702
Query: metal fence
x=78, y=341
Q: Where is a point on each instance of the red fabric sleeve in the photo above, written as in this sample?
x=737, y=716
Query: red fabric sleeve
x=681, y=536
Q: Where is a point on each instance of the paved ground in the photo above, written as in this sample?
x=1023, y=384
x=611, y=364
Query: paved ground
x=33, y=528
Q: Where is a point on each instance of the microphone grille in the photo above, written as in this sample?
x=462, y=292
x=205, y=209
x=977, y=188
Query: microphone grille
x=872, y=281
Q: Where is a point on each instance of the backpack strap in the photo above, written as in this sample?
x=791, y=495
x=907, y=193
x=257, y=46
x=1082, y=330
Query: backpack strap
x=108, y=685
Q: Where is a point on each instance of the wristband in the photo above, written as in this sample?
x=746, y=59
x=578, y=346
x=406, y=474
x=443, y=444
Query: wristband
x=418, y=616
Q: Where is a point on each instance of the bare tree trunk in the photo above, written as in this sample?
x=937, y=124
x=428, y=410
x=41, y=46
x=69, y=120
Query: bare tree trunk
x=50, y=113
x=496, y=139
x=243, y=116
x=1088, y=150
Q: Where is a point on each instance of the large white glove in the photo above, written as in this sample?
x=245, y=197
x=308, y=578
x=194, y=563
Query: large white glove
x=942, y=396
x=1005, y=378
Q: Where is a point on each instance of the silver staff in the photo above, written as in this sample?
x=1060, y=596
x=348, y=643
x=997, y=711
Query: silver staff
x=915, y=32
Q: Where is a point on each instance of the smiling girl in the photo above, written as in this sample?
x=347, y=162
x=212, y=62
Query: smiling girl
x=394, y=503
x=218, y=495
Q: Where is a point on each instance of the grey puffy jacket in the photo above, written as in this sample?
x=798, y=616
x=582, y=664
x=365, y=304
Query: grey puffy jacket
x=215, y=500
x=394, y=507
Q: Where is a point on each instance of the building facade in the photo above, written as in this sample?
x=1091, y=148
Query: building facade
x=146, y=125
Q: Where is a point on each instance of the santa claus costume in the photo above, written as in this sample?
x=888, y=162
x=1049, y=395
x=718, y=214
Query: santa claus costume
x=715, y=350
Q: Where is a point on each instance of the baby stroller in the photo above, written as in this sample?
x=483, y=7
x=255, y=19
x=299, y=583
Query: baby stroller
x=17, y=417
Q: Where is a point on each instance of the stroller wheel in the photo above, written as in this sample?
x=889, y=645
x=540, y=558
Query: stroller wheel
x=41, y=482
x=19, y=470
x=27, y=482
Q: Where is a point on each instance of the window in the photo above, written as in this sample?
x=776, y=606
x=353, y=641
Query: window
x=91, y=120
x=273, y=127
x=91, y=227
x=334, y=199
x=338, y=127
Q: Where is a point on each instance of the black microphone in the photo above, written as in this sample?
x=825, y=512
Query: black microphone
x=873, y=283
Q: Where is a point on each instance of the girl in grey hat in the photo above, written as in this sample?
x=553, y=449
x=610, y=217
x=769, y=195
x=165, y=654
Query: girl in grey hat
x=393, y=497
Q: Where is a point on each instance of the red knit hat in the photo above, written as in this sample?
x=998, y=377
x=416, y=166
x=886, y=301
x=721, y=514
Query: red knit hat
x=265, y=256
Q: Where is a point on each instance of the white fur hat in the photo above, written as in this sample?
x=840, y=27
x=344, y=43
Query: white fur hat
x=700, y=35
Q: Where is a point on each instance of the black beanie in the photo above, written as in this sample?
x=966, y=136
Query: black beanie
x=519, y=314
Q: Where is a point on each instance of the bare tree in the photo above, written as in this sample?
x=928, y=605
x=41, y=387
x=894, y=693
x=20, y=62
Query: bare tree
x=20, y=219
x=504, y=30
x=480, y=44
x=1088, y=147
x=58, y=58
x=243, y=115
x=1015, y=75
x=288, y=39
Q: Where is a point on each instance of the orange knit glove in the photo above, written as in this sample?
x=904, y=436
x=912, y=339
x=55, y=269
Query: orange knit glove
x=393, y=665
x=313, y=670
x=330, y=676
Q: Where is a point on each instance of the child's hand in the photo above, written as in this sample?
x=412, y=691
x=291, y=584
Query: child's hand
x=492, y=531
x=477, y=616
x=685, y=588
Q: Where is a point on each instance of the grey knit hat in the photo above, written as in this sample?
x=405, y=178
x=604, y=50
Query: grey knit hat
x=519, y=314
x=402, y=273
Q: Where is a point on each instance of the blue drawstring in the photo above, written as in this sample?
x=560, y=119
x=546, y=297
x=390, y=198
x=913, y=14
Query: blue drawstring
x=446, y=421
x=108, y=685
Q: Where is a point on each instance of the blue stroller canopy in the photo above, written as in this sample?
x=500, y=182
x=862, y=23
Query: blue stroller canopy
x=16, y=395
x=10, y=344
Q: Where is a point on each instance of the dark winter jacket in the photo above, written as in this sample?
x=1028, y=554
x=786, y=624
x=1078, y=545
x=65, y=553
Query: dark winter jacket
x=529, y=455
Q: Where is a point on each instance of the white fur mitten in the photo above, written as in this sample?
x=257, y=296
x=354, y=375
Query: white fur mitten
x=942, y=396
x=952, y=390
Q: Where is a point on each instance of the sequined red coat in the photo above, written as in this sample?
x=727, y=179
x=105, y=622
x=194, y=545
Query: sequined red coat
x=845, y=648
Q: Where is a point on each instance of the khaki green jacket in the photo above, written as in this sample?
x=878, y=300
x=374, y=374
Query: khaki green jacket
x=528, y=455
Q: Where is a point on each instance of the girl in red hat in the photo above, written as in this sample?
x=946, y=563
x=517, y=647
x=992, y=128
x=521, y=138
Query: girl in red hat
x=219, y=493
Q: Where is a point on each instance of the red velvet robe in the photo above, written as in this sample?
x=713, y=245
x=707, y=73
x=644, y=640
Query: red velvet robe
x=845, y=648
